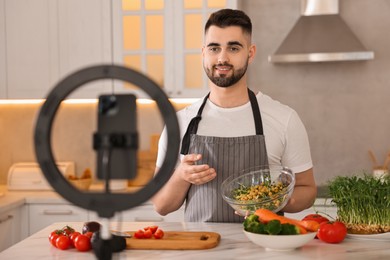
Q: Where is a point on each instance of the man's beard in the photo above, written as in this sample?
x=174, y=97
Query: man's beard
x=225, y=81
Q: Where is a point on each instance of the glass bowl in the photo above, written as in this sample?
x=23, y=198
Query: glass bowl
x=274, y=186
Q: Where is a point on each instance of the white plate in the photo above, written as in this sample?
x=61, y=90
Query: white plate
x=382, y=236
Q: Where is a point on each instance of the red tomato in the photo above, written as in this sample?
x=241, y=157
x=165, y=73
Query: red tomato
x=332, y=232
x=316, y=217
x=158, y=234
x=73, y=236
x=63, y=242
x=152, y=228
x=53, y=237
x=148, y=233
x=82, y=243
x=139, y=234
x=89, y=234
x=67, y=230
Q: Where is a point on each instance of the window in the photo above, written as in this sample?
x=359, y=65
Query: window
x=163, y=39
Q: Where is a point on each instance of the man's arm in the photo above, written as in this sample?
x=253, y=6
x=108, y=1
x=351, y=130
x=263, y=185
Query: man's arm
x=304, y=194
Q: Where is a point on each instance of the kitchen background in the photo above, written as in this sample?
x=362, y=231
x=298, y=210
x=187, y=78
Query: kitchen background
x=344, y=105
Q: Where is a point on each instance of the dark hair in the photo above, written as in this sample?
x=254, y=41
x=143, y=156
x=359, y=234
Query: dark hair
x=229, y=17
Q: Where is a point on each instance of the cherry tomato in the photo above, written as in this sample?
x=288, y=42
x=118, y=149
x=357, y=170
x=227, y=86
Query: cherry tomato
x=139, y=234
x=82, y=243
x=152, y=228
x=148, y=233
x=158, y=234
x=73, y=236
x=332, y=232
x=53, y=237
x=63, y=242
x=67, y=230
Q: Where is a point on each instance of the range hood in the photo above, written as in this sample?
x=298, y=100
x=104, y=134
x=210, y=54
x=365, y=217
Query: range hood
x=320, y=35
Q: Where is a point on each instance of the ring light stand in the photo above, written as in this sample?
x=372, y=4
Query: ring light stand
x=105, y=204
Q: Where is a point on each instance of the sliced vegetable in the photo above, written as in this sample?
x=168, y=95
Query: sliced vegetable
x=332, y=232
x=148, y=233
x=152, y=228
x=158, y=234
x=139, y=233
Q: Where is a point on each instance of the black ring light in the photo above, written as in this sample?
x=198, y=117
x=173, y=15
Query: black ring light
x=105, y=204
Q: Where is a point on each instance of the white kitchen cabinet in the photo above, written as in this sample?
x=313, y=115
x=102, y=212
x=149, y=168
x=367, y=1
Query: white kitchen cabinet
x=143, y=213
x=43, y=215
x=3, y=80
x=45, y=40
x=30, y=57
x=84, y=40
x=13, y=226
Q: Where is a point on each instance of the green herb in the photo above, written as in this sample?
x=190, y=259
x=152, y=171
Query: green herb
x=363, y=202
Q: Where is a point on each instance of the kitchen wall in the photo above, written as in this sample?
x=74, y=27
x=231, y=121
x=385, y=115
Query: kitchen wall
x=72, y=133
x=344, y=105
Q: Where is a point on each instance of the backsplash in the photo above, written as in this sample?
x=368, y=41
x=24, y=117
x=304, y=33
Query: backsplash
x=72, y=133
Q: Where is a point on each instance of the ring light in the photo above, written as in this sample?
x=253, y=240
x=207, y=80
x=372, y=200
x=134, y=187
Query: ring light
x=105, y=204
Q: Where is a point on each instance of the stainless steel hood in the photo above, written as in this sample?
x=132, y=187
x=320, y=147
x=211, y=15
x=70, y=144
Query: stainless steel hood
x=320, y=35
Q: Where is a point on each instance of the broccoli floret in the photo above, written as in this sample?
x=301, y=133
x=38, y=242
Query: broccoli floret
x=252, y=224
x=250, y=219
x=273, y=227
x=289, y=229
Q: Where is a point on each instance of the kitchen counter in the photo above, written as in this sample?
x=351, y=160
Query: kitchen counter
x=233, y=245
x=10, y=199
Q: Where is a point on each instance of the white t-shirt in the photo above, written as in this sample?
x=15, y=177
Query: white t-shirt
x=285, y=135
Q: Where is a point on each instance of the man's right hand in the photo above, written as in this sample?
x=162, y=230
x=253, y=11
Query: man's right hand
x=195, y=174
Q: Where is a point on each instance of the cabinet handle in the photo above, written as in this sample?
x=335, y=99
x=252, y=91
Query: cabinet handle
x=6, y=218
x=151, y=219
x=57, y=212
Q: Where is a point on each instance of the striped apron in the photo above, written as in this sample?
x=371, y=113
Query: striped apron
x=228, y=156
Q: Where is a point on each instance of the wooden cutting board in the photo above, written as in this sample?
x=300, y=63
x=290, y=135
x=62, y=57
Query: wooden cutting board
x=176, y=240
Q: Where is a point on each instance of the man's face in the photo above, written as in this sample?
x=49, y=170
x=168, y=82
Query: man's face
x=226, y=55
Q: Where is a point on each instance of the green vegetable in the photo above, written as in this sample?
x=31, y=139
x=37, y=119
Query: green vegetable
x=273, y=227
x=363, y=203
x=289, y=229
x=252, y=224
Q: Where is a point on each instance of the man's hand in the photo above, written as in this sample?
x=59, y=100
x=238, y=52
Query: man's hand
x=195, y=174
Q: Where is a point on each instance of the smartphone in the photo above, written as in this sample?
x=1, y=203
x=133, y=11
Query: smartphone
x=117, y=118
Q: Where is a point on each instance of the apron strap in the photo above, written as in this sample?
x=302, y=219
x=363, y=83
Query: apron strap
x=192, y=127
x=256, y=112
